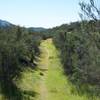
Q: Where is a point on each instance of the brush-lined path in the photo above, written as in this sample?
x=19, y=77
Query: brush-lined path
x=48, y=81
x=53, y=84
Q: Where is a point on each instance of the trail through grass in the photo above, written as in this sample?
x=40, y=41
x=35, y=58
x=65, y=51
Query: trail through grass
x=48, y=81
x=54, y=85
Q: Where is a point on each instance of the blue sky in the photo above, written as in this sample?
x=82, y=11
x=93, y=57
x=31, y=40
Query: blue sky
x=39, y=13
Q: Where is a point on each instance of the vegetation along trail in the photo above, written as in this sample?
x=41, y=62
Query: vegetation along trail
x=53, y=84
x=48, y=81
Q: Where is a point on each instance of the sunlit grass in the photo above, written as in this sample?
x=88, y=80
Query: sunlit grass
x=59, y=87
x=28, y=84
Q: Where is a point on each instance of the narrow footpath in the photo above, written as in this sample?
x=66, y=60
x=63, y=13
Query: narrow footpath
x=53, y=84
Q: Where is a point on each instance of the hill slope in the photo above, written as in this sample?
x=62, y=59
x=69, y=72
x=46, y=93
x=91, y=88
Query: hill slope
x=4, y=23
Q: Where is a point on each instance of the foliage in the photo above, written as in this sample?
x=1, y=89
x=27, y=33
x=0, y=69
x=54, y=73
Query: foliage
x=18, y=48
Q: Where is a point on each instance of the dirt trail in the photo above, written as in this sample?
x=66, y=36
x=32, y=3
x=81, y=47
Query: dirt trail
x=43, y=66
x=52, y=83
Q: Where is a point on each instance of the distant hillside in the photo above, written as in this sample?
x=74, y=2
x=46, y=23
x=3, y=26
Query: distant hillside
x=37, y=29
x=90, y=26
x=4, y=23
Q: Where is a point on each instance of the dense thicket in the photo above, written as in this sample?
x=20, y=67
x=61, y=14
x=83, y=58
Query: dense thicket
x=18, y=48
x=79, y=44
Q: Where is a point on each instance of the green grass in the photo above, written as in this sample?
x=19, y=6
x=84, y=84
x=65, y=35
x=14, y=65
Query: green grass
x=59, y=87
x=28, y=84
